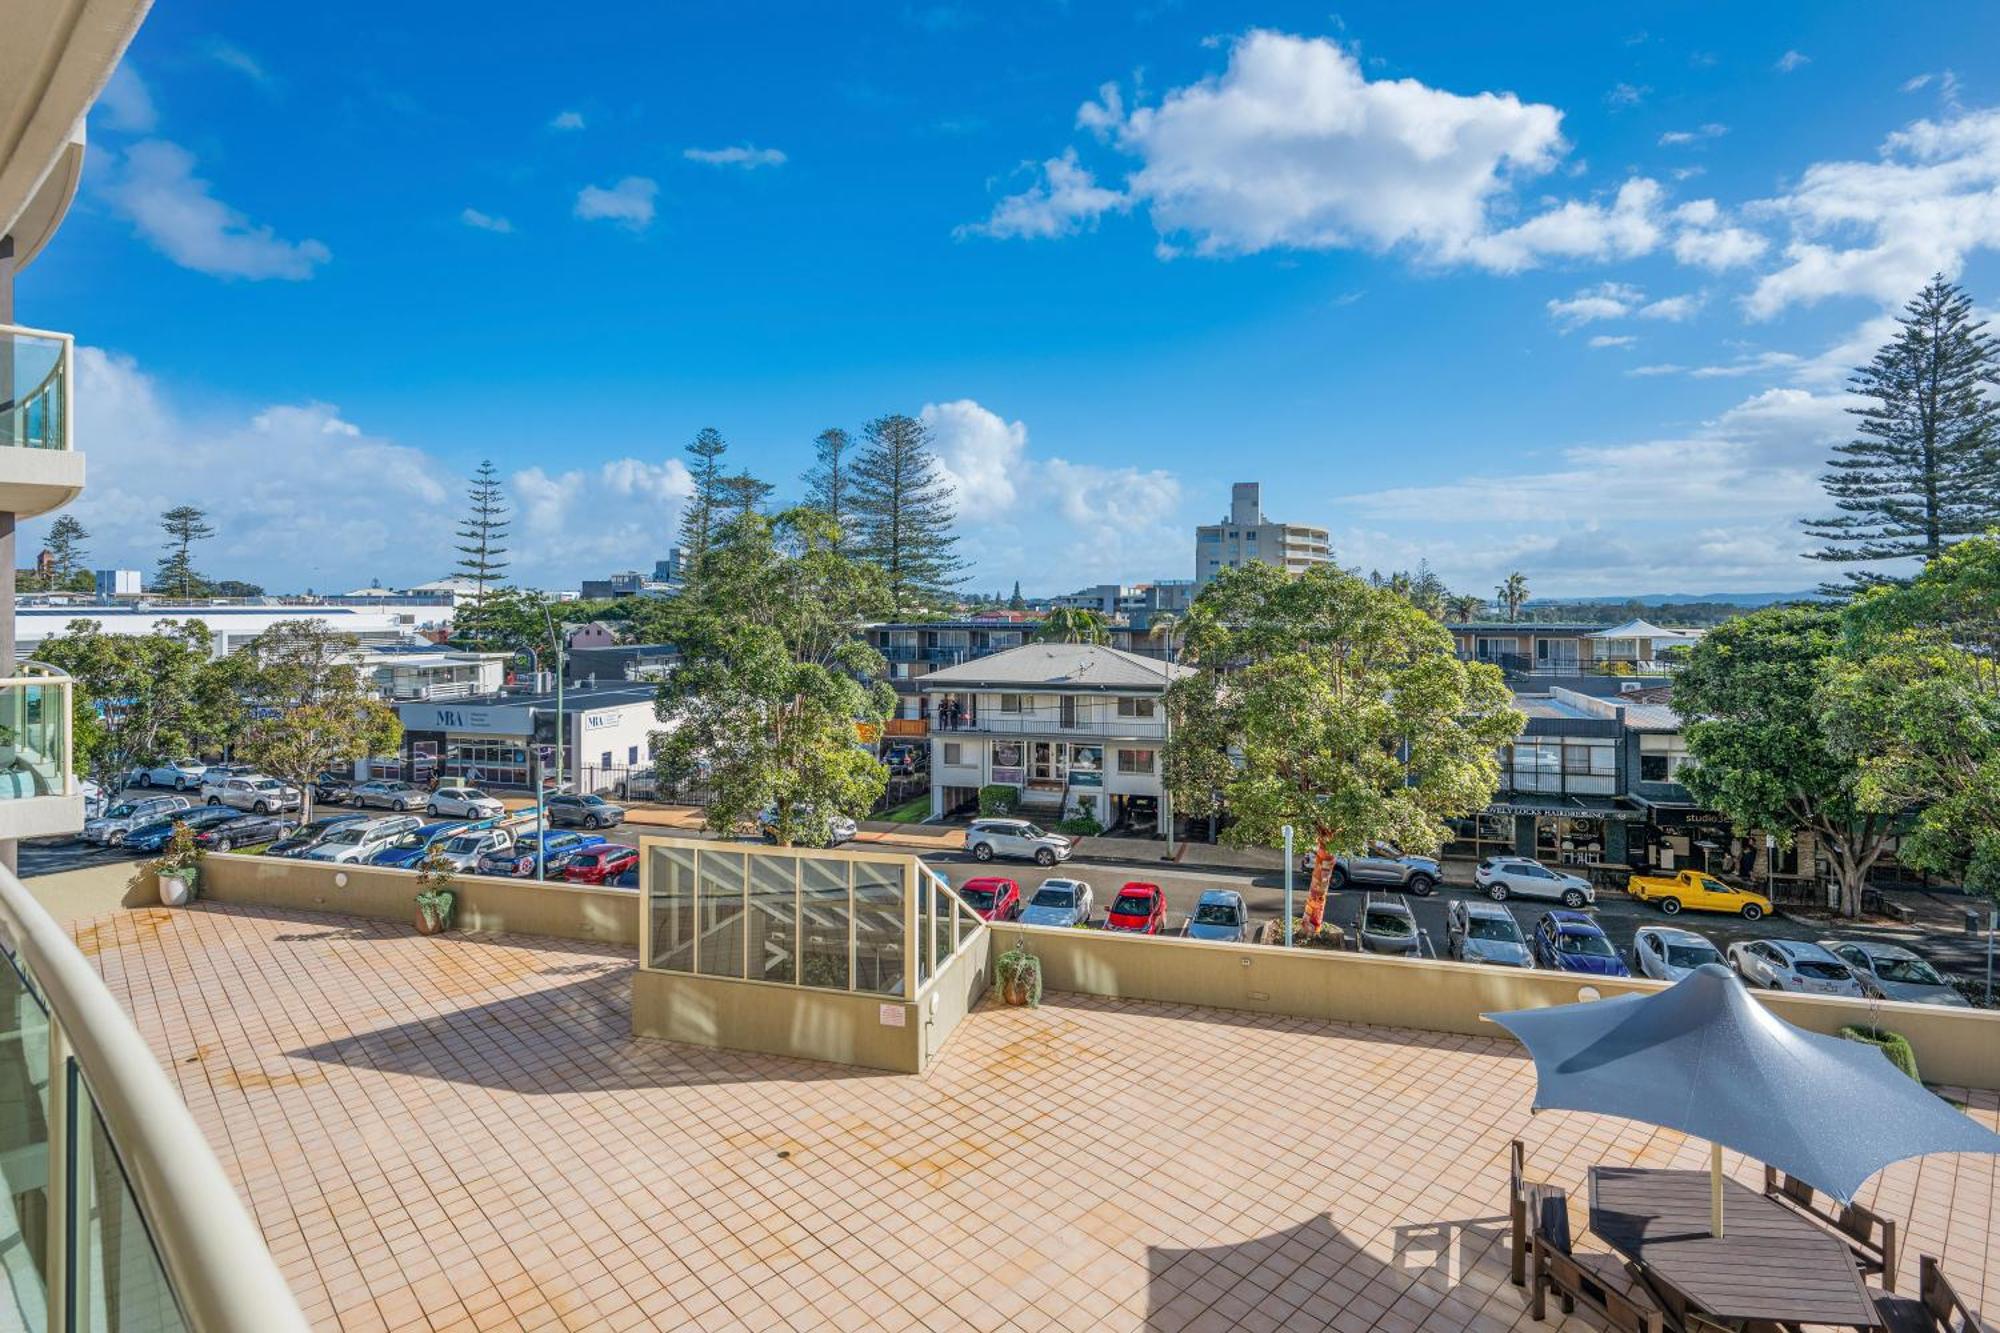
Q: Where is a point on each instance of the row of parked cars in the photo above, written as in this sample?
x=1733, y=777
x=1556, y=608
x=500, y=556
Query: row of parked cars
x=476, y=847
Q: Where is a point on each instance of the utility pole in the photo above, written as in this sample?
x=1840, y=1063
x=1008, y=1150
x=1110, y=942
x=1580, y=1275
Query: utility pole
x=556, y=642
x=1288, y=886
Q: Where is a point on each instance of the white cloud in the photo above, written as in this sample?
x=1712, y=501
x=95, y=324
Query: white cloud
x=231, y=56
x=126, y=104
x=1684, y=138
x=1673, y=309
x=472, y=217
x=748, y=156
x=590, y=519
x=1657, y=368
x=629, y=203
x=1063, y=200
x=1619, y=300
x=1627, y=94
x=567, y=120
x=1917, y=82
x=1790, y=61
x=1625, y=228
x=1748, y=363
x=981, y=453
x=154, y=187
x=1613, y=340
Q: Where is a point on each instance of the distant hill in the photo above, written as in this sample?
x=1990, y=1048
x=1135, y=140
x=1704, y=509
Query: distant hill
x=1748, y=600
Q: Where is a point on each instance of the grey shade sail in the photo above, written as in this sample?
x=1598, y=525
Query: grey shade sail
x=1705, y=1058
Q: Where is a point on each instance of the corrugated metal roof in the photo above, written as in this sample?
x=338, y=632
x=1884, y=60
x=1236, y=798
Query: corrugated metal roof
x=1060, y=666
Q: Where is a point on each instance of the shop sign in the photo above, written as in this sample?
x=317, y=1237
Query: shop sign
x=1084, y=778
x=465, y=721
x=1012, y=776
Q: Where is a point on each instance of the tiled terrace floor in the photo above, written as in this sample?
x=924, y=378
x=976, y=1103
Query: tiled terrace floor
x=457, y=1133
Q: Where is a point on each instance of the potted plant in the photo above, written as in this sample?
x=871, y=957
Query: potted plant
x=437, y=904
x=1017, y=975
x=1894, y=1045
x=176, y=870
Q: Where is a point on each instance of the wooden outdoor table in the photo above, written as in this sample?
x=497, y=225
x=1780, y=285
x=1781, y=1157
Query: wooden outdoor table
x=1770, y=1263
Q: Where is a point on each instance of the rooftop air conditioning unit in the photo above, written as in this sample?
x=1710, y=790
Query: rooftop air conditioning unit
x=1630, y=686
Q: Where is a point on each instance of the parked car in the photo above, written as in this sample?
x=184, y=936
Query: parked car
x=215, y=775
x=151, y=837
x=1697, y=892
x=601, y=864
x=1382, y=864
x=93, y=798
x=628, y=878
x=558, y=847
x=303, y=839
x=1504, y=877
x=256, y=794
x=1891, y=972
x=1668, y=953
x=463, y=803
x=331, y=788
x=1387, y=925
x=244, y=831
x=110, y=828
x=388, y=794
x=1478, y=932
x=988, y=838
x=353, y=844
x=994, y=898
x=1139, y=909
x=589, y=811
x=839, y=827
x=408, y=851
x=1059, y=902
x=462, y=851
x=180, y=774
x=1568, y=941
x=1219, y=914
x=1793, y=965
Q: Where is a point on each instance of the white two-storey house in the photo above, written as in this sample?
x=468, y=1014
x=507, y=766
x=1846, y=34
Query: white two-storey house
x=1079, y=728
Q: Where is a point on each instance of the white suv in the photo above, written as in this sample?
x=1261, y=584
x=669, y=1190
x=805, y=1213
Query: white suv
x=351, y=844
x=1504, y=877
x=464, y=803
x=180, y=774
x=257, y=794
x=216, y=776
x=988, y=838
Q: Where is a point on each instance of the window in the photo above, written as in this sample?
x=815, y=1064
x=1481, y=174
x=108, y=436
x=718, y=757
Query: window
x=1135, y=761
x=632, y=755
x=604, y=760
x=1135, y=708
x=954, y=752
x=1010, y=703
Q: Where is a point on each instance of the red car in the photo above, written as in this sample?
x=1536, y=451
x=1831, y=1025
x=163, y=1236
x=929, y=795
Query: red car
x=1138, y=908
x=600, y=865
x=994, y=898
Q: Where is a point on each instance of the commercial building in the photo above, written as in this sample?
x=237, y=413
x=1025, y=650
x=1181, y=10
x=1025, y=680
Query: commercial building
x=119, y=582
x=496, y=739
x=1568, y=648
x=1247, y=537
x=1078, y=728
x=1134, y=603
x=229, y=626
x=422, y=672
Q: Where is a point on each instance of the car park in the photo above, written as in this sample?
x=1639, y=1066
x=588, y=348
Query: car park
x=601, y=864
x=215, y=775
x=243, y=831
x=1668, y=953
x=353, y=844
x=388, y=794
x=992, y=897
x=1482, y=932
x=1016, y=838
x=409, y=851
x=331, y=788
x=557, y=847
x=1793, y=965
x=1059, y=902
x=152, y=837
x=1381, y=864
x=303, y=839
x=1139, y=909
x=180, y=774
x=839, y=827
x=1220, y=915
x=1693, y=891
x=463, y=850
x=110, y=828
x=463, y=803
x=587, y=811
x=255, y=794
x=1504, y=877
x=1388, y=926
x=1891, y=972
x=1569, y=941
x=644, y=786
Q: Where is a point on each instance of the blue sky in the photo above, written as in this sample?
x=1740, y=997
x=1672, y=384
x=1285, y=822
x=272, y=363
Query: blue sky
x=1561, y=288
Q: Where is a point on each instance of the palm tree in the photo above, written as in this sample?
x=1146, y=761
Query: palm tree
x=1464, y=607
x=1166, y=626
x=1069, y=624
x=1513, y=593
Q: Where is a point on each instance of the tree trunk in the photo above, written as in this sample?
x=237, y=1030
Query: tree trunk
x=1315, y=912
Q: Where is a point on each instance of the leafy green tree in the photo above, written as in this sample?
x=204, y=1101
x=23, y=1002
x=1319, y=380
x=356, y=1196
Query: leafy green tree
x=312, y=707
x=1771, y=748
x=143, y=698
x=185, y=525
x=1070, y=624
x=705, y=511
x=903, y=508
x=1464, y=607
x=481, y=549
x=829, y=484
x=769, y=692
x=744, y=494
x=1323, y=702
x=1017, y=602
x=1513, y=594
x=1924, y=469
x=67, y=552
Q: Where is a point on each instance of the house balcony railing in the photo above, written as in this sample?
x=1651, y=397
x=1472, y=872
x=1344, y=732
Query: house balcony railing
x=36, y=378
x=1052, y=722
x=38, y=787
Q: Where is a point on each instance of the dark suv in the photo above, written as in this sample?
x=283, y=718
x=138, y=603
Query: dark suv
x=591, y=811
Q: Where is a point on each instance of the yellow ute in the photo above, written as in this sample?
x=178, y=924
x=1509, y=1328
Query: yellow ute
x=1697, y=892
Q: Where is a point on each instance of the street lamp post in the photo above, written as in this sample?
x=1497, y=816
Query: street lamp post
x=1288, y=886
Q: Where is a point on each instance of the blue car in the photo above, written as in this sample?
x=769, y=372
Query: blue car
x=518, y=861
x=1221, y=914
x=1567, y=941
x=152, y=837
x=407, y=852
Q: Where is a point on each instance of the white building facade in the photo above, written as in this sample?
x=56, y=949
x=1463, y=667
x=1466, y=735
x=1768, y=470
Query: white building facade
x=1246, y=537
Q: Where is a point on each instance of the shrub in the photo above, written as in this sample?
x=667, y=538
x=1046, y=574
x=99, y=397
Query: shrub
x=999, y=799
x=1892, y=1044
x=1017, y=964
x=181, y=855
x=1080, y=826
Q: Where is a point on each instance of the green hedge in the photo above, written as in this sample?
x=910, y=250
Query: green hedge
x=1892, y=1044
x=1080, y=826
x=999, y=799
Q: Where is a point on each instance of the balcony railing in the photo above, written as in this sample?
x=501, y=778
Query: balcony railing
x=1051, y=721
x=36, y=758
x=121, y=1216
x=36, y=375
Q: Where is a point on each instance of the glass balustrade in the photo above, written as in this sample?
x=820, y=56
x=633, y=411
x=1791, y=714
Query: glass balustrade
x=34, y=388
x=35, y=757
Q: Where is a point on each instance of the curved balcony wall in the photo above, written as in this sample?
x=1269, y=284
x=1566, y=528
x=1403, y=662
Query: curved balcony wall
x=40, y=469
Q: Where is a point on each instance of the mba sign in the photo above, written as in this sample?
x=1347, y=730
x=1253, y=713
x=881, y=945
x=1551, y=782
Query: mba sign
x=465, y=721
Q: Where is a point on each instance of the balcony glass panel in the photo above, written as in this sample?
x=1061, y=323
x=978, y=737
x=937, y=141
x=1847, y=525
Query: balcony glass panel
x=673, y=909
x=33, y=395
x=34, y=725
x=878, y=927
x=719, y=897
x=116, y=1282
x=774, y=945
x=24, y=1158
x=823, y=908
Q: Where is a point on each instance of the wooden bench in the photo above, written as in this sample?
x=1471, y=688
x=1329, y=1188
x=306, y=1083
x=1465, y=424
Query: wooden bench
x=1936, y=1308
x=1871, y=1236
x=1601, y=1283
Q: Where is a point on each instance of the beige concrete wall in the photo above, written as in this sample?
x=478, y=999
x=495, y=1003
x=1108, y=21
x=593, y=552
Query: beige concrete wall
x=1954, y=1046
x=965, y=977
x=517, y=906
x=796, y=1021
x=74, y=895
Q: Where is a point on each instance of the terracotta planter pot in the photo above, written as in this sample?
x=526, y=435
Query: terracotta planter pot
x=429, y=925
x=1017, y=990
